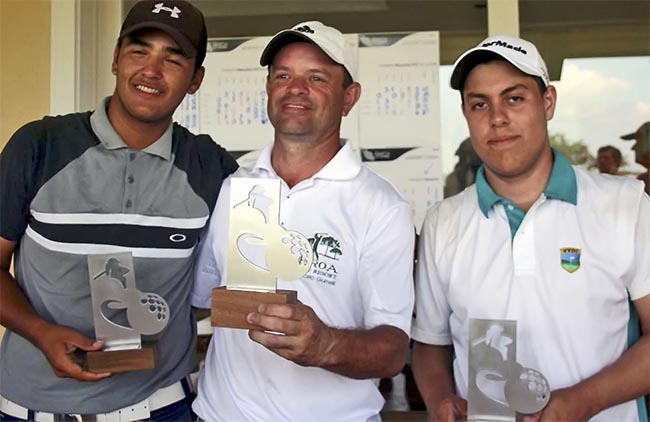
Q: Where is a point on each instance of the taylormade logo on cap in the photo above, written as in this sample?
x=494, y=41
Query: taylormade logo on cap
x=330, y=40
x=500, y=43
x=520, y=53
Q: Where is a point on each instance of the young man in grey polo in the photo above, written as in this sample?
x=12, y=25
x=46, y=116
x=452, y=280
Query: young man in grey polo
x=123, y=178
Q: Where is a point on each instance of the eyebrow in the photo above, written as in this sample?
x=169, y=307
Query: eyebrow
x=502, y=93
x=167, y=49
x=312, y=70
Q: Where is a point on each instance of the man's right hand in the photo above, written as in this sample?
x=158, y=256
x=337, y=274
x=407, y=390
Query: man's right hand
x=59, y=343
x=451, y=409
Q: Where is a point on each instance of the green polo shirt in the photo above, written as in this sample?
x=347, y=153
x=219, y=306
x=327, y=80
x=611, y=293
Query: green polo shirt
x=561, y=185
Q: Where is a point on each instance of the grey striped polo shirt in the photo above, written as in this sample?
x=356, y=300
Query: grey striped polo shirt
x=71, y=187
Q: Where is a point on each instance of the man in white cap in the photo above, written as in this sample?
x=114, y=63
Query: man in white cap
x=535, y=240
x=641, y=149
x=320, y=359
x=123, y=178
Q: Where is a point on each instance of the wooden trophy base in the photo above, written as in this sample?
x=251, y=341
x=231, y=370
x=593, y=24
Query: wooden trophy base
x=123, y=360
x=230, y=307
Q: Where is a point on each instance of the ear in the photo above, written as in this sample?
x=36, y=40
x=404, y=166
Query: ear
x=350, y=97
x=116, y=54
x=550, y=98
x=196, y=80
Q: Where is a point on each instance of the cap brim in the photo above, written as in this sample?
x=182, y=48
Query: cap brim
x=280, y=40
x=183, y=42
x=466, y=63
x=470, y=59
x=629, y=136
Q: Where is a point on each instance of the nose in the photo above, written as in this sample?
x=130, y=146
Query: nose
x=498, y=115
x=298, y=86
x=153, y=67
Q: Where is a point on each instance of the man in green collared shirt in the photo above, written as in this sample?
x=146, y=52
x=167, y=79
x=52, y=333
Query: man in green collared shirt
x=556, y=248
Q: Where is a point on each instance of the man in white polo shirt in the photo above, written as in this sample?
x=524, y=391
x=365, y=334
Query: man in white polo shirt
x=554, y=247
x=351, y=327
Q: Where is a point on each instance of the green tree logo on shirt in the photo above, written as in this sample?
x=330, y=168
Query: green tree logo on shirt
x=324, y=245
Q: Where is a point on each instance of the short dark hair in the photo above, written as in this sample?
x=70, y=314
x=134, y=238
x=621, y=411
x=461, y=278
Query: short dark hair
x=482, y=57
x=616, y=153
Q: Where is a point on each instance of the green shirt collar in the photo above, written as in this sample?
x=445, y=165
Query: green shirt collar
x=561, y=185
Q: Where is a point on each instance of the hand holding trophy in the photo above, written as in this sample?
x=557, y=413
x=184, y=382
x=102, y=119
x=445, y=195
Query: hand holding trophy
x=260, y=251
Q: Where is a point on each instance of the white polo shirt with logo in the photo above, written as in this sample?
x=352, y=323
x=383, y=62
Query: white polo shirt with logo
x=481, y=258
x=363, y=236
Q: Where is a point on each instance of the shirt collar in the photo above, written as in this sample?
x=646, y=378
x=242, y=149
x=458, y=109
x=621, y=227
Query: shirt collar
x=561, y=184
x=343, y=166
x=102, y=127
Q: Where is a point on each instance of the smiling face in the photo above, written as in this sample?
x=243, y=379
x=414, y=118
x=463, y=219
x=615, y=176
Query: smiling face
x=306, y=98
x=507, y=114
x=152, y=78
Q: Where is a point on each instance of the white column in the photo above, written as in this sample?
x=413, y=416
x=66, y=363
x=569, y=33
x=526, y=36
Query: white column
x=63, y=56
x=503, y=17
x=83, y=36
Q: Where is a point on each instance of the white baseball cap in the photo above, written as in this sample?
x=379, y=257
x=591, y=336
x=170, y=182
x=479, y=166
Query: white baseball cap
x=520, y=53
x=328, y=39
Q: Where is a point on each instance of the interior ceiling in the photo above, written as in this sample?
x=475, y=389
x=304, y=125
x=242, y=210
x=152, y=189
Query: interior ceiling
x=560, y=29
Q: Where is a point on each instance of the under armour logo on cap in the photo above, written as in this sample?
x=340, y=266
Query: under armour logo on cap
x=161, y=6
x=305, y=29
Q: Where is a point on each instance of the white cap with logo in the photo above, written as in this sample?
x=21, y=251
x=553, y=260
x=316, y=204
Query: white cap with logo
x=330, y=40
x=520, y=53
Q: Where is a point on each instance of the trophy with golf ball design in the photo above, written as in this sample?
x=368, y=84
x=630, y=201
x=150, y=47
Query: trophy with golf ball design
x=260, y=251
x=498, y=387
x=121, y=315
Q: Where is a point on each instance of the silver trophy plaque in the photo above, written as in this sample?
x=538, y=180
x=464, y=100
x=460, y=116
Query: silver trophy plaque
x=122, y=313
x=260, y=250
x=498, y=386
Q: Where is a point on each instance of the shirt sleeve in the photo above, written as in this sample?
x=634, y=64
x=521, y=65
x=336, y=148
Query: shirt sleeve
x=386, y=269
x=211, y=264
x=432, y=310
x=228, y=163
x=639, y=284
x=18, y=166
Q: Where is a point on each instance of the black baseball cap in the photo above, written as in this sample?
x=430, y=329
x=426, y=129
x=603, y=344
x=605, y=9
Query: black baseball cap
x=179, y=19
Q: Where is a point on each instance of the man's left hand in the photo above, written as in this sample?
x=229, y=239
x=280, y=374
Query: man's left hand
x=564, y=405
x=294, y=332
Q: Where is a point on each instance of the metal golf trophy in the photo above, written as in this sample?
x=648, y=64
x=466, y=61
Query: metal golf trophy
x=499, y=388
x=122, y=314
x=260, y=251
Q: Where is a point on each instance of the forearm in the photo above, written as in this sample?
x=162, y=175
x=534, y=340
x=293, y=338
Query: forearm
x=626, y=379
x=16, y=312
x=380, y=352
x=433, y=372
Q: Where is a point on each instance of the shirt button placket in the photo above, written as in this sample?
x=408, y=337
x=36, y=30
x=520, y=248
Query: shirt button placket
x=129, y=185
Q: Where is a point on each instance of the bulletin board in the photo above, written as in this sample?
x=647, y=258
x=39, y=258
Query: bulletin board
x=395, y=126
